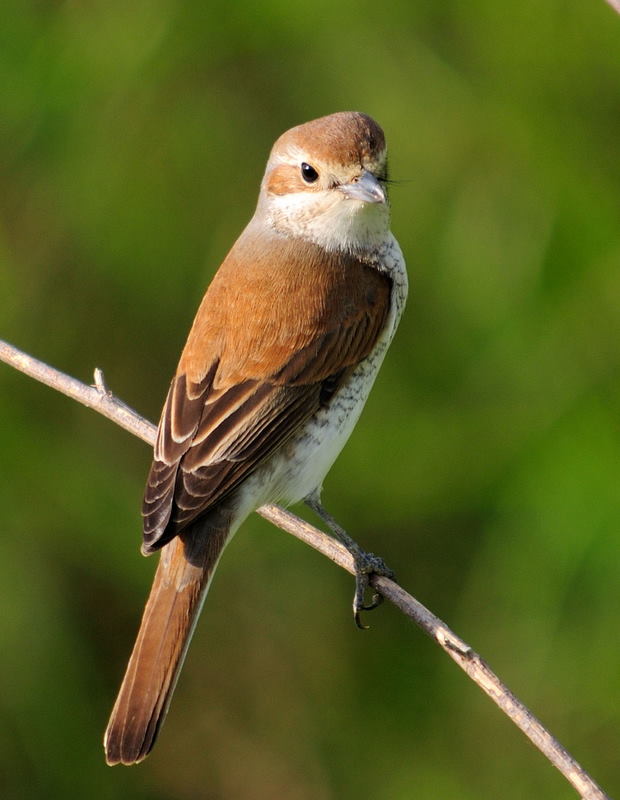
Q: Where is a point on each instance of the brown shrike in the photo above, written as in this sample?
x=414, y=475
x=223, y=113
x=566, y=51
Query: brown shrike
x=283, y=352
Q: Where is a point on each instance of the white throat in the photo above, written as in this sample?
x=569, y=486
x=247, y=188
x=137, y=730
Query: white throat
x=330, y=220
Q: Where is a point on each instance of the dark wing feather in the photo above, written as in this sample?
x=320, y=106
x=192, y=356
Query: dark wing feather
x=228, y=448
x=179, y=421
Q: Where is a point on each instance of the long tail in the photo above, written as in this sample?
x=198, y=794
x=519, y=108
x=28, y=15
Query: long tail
x=181, y=582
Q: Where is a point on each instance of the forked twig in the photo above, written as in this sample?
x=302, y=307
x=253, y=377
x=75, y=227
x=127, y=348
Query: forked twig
x=99, y=398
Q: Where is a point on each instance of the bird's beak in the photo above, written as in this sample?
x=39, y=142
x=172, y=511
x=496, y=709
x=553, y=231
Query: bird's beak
x=366, y=189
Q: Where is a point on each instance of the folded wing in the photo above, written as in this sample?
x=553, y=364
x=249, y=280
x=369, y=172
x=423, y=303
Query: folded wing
x=218, y=425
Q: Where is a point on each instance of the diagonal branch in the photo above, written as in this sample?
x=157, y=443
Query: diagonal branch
x=99, y=398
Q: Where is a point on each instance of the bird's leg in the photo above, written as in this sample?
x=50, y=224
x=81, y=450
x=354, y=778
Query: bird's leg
x=366, y=564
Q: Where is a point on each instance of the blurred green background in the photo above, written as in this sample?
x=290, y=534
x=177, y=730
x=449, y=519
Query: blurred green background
x=486, y=468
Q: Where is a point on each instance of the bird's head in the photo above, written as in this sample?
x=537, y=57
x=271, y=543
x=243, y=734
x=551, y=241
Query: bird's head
x=325, y=182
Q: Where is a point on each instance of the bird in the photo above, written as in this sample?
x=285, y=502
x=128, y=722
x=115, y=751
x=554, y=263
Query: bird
x=278, y=364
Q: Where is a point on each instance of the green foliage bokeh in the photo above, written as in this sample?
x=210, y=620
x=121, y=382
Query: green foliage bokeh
x=486, y=468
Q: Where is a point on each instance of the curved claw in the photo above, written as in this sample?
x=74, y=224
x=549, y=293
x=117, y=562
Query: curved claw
x=358, y=622
x=362, y=584
x=376, y=601
x=362, y=581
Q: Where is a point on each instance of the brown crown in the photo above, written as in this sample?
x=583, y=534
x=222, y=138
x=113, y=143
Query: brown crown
x=347, y=137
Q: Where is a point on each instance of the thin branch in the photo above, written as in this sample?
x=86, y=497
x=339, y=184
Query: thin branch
x=99, y=398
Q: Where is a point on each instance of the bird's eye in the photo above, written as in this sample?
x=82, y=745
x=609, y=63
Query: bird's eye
x=308, y=173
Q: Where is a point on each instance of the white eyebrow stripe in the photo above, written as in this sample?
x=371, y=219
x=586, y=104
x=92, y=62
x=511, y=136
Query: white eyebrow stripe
x=293, y=156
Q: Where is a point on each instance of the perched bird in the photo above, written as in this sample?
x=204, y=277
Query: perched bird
x=280, y=359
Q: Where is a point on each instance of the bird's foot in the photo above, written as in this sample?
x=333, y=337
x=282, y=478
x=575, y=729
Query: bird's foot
x=366, y=564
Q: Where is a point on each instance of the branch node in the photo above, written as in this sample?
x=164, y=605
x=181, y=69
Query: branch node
x=451, y=641
x=100, y=383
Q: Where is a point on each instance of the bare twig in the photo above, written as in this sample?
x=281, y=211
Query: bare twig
x=101, y=399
